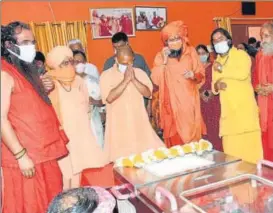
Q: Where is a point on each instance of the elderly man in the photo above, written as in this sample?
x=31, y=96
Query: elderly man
x=31, y=137
x=263, y=84
x=123, y=87
x=71, y=102
x=75, y=45
x=178, y=72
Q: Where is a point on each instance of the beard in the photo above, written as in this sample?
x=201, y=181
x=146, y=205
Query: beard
x=175, y=53
x=30, y=72
x=267, y=48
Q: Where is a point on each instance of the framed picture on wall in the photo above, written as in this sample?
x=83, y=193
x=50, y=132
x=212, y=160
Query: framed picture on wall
x=150, y=18
x=106, y=22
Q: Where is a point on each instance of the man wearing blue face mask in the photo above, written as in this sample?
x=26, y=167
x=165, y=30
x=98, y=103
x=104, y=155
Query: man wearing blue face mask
x=231, y=79
x=128, y=130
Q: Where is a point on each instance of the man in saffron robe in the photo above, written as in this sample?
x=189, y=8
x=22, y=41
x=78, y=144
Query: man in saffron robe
x=32, y=139
x=263, y=84
x=128, y=130
x=177, y=72
x=70, y=100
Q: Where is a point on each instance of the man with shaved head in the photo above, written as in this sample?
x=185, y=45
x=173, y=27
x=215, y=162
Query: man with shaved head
x=128, y=130
x=263, y=84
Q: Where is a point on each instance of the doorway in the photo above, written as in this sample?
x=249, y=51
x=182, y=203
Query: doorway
x=242, y=32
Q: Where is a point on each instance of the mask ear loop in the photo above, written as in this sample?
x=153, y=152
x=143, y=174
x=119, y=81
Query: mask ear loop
x=14, y=49
x=229, y=42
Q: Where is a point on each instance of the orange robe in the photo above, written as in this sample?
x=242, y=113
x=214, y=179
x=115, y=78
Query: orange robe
x=84, y=151
x=128, y=130
x=180, y=113
x=264, y=75
x=38, y=130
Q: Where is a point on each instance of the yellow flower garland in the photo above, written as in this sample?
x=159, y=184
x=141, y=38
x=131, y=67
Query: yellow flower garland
x=162, y=153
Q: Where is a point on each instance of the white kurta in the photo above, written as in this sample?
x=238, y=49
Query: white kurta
x=92, y=83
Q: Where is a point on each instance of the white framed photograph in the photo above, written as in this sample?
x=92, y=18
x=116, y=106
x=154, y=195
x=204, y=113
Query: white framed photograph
x=108, y=21
x=150, y=18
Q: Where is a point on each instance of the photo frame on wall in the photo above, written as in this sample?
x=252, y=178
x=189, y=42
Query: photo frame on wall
x=150, y=18
x=105, y=22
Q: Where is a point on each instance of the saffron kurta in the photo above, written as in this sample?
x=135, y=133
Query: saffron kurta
x=239, y=122
x=128, y=130
x=264, y=75
x=84, y=151
x=179, y=100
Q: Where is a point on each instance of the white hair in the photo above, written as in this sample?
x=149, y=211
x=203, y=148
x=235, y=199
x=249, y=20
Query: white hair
x=74, y=41
x=267, y=48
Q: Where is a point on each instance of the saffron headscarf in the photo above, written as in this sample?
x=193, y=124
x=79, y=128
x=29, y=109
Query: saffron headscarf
x=175, y=28
x=64, y=74
x=56, y=56
x=54, y=59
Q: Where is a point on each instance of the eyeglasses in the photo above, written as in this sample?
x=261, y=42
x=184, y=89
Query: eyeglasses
x=65, y=63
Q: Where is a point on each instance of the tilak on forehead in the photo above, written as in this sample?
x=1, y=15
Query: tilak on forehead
x=175, y=29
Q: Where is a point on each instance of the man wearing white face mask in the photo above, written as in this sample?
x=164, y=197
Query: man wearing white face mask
x=128, y=130
x=120, y=39
x=91, y=77
x=32, y=139
x=231, y=79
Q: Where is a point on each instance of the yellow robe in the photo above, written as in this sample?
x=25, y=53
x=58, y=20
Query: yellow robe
x=239, y=122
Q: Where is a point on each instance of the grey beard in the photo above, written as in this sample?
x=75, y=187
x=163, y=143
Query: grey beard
x=267, y=48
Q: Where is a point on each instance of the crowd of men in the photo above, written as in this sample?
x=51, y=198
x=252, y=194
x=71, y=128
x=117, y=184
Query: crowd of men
x=53, y=108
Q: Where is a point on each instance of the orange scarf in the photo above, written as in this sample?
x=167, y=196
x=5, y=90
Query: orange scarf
x=64, y=76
